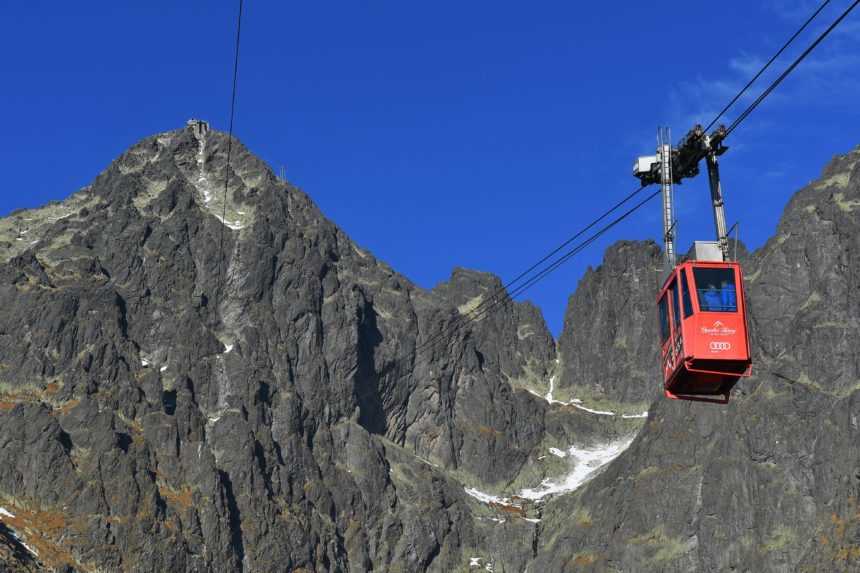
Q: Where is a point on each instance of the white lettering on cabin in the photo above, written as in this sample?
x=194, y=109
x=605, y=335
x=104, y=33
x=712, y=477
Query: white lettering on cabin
x=719, y=329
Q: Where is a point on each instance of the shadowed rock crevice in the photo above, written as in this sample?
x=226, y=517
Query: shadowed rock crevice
x=305, y=444
x=367, y=390
x=234, y=517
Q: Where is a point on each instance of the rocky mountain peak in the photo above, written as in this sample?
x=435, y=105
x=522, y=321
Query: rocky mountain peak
x=212, y=391
x=770, y=482
x=611, y=313
x=194, y=160
x=184, y=390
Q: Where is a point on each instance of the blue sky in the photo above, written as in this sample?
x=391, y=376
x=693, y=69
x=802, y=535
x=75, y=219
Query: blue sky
x=476, y=134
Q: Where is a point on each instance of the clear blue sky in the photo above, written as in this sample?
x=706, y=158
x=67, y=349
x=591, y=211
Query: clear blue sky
x=478, y=134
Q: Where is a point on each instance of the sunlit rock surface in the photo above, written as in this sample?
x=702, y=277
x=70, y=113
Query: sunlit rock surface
x=199, y=372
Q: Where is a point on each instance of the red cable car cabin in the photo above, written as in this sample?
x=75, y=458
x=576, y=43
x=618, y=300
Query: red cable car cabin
x=703, y=335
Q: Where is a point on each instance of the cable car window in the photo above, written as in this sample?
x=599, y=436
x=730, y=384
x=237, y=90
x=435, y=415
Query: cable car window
x=716, y=289
x=688, y=304
x=664, y=319
x=676, y=311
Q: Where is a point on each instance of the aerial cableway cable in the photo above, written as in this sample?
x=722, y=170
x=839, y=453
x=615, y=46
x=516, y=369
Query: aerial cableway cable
x=790, y=68
x=219, y=279
x=552, y=253
x=500, y=295
x=398, y=363
x=477, y=314
x=767, y=65
x=497, y=301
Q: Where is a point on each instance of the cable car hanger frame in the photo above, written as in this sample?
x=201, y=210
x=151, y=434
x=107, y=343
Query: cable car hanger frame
x=704, y=349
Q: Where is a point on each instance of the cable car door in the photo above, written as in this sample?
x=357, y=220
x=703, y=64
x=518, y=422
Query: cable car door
x=672, y=342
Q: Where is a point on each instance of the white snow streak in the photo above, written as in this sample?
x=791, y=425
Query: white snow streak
x=551, y=388
x=485, y=497
x=162, y=369
x=205, y=186
x=6, y=513
x=557, y=453
x=587, y=463
x=474, y=561
x=234, y=226
x=202, y=180
x=27, y=547
x=589, y=410
x=577, y=403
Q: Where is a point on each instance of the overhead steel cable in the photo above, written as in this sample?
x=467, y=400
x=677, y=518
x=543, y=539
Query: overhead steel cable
x=476, y=315
x=499, y=295
x=486, y=308
x=502, y=291
x=397, y=363
x=790, y=68
x=767, y=65
x=495, y=300
x=219, y=279
x=574, y=237
x=568, y=255
x=571, y=253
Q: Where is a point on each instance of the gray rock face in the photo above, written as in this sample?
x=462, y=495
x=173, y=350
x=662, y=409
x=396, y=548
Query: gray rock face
x=771, y=482
x=199, y=381
x=607, y=345
x=194, y=380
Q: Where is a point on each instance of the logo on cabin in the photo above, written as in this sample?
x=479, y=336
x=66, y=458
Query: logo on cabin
x=720, y=346
x=718, y=329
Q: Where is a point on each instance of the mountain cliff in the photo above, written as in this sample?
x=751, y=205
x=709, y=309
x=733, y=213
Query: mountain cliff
x=200, y=376
x=772, y=481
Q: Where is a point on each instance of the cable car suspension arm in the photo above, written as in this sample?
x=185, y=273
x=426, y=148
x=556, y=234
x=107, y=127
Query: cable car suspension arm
x=673, y=165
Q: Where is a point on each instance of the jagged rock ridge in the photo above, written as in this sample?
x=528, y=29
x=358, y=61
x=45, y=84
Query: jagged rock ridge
x=199, y=381
x=771, y=482
x=154, y=417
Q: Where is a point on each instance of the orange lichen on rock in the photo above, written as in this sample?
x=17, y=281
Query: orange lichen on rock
x=182, y=498
x=27, y=394
x=584, y=559
x=512, y=509
x=42, y=532
x=65, y=407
